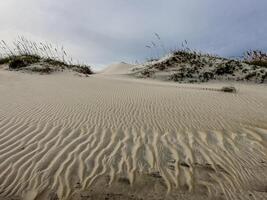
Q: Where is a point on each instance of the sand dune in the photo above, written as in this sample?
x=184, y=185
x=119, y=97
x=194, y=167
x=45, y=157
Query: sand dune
x=67, y=137
x=118, y=68
x=192, y=67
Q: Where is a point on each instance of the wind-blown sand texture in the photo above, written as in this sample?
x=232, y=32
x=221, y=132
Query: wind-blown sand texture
x=114, y=137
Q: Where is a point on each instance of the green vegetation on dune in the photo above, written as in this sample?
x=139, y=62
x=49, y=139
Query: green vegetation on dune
x=18, y=62
x=185, y=65
x=38, y=57
x=5, y=60
x=190, y=66
x=33, y=63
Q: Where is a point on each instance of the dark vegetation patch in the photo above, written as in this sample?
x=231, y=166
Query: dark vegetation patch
x=225, y=68
x=256, y=57
x=81, y=69
x=5, y=60
x=146, y=73
x=18, y=62
x=229, y=89
x=43, y=70
x=54, y=62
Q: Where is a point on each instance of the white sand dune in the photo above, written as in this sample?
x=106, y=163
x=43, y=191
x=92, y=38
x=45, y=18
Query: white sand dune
x=118, y=68
x=67, y=137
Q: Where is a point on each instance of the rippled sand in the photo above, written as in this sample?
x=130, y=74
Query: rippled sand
x=114, y=137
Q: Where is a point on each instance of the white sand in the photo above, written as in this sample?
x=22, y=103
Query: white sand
x=117, y=68
x=113, y=137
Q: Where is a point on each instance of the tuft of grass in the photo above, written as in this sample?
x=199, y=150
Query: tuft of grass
x=256, y=57
x=17, y=63
x=229, y=89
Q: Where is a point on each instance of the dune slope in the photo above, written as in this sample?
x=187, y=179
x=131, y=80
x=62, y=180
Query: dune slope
x=67, y=137
x=118, y=68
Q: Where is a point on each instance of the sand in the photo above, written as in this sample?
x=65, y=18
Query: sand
x=118, y=69
x=109, y=136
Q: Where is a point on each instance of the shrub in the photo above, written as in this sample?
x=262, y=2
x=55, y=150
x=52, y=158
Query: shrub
x=250, y=75
x=160, y=66
x=146, y=73
x=82, y=69
x=229, y=89
x=177, y=77
x=17, y=63
x=5, y=60
x=225, y=68
x=256, y=57
x=206, y=76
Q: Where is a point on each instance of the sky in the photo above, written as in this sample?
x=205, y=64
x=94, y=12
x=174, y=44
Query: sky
x=101, y=32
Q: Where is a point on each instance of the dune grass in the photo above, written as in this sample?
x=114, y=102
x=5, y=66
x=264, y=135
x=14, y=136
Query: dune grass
x=184, y=64
x=23, y=52
x=256, y=57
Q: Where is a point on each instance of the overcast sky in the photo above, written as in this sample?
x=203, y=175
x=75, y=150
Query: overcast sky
x=100, y=32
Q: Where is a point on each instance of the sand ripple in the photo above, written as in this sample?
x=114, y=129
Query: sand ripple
x=62, y=135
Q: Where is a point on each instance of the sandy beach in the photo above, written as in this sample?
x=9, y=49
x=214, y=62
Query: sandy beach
x=111, y=136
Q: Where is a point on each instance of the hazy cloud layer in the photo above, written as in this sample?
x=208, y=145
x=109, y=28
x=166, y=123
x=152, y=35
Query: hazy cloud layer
x=105, y=31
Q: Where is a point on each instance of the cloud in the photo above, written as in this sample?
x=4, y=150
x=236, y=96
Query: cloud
x=102, y=32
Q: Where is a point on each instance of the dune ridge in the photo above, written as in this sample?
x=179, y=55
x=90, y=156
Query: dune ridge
x=118, y=68
x=65, y=137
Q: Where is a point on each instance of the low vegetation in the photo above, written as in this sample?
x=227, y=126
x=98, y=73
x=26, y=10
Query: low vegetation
x=229, y=89
x=21, y=61
x=25, y=55
x=256, y=57
x=189, y=66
